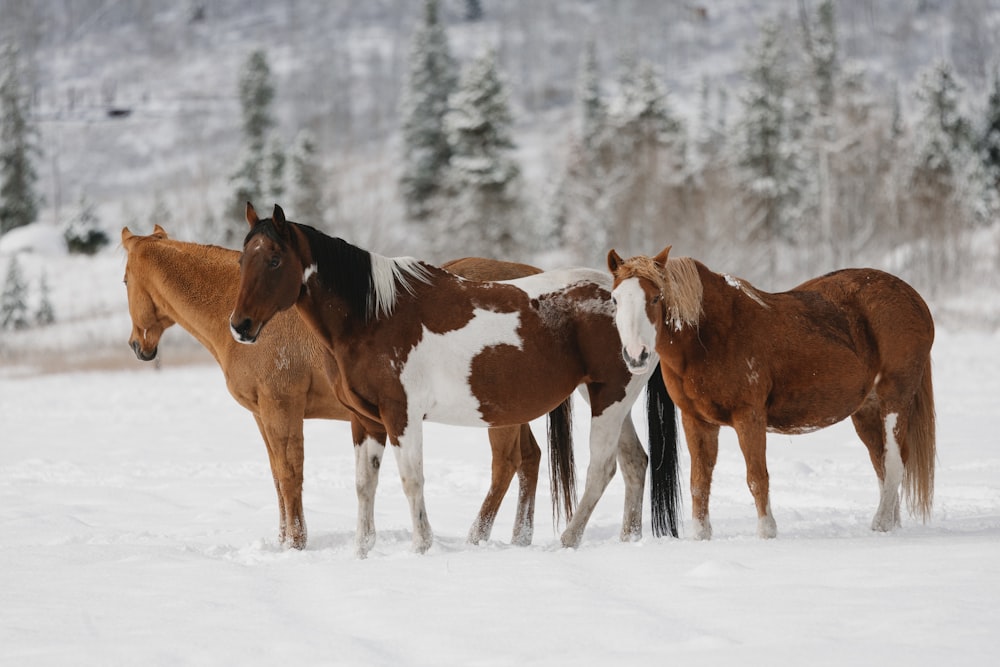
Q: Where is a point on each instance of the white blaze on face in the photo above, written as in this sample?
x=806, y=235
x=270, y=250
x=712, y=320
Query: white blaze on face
x=636, y=331
x=436, y=373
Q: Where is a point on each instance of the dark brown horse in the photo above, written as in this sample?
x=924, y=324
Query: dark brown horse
x=285, y=379
x=853, y=343
x=413, y=341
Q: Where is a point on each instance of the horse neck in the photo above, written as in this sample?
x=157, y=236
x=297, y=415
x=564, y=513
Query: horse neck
x=341, y=299
x=197, y=287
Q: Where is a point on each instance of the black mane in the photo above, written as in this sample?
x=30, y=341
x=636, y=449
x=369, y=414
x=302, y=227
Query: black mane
x=342, y=267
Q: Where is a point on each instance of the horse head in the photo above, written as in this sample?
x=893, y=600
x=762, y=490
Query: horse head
x=148, y=319
x=272, y=273
x=637, y=293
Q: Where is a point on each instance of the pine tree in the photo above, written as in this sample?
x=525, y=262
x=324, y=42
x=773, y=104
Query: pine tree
x=765, y=129
x=307, y=176
x=430, y=81
x=643, y=116
x=276, y=160
x=84, y=234
x=821, y=46
x=484, y=207
x=19, y=202
x=942, y=133
x=989, y=143
x=256, y=93
x=593, y=111
x=46, y=313
x=14, y=300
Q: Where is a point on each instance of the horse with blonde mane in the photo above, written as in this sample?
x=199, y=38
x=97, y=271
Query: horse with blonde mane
x=853, y=343
x=286, y=379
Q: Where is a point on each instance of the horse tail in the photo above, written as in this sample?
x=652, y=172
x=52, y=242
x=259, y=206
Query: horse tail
x=562, y=467
x=664, y=487
x=918, y=474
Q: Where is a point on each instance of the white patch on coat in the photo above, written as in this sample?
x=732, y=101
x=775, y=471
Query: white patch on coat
x=554, y=281
x=752, y=374
x=436, y=373
x=307, y=274
x=634, y=328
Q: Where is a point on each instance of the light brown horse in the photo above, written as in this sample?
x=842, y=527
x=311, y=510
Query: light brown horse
x=851, y=343
x=413, y=342
x=286, y=378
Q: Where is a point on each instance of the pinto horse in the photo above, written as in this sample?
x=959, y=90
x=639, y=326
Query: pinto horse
x=852, y=343
x=285, y=379
x=413, y=341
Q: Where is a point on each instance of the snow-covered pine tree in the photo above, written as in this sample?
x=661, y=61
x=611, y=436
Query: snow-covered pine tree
x=822, y=50
x=989, y=142
x=14, y=299
x=484, y=208
x=430, y=80
x=306, y=178
x=646, y=155
x=256, y=93
x=948, y=183
x=19, y=201
x=592, y=109
x=276, y=160
x=45, y=314
x=762, y=142
x=83, y=233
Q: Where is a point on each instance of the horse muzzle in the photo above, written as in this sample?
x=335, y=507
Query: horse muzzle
x=141, y=354
x=244, y=331
x=637, y=364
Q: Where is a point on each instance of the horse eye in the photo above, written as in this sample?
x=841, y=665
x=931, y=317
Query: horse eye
x=274, y=263
x=614, y=301
x=657, y=298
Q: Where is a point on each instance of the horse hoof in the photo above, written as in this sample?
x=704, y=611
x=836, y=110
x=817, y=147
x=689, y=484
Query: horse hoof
x=702, y=531
x=570, y=541
x=767, y=529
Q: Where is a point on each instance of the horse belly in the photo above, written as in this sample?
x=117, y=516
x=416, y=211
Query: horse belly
x=811, y=409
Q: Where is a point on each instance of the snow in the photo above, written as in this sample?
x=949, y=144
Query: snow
x=140, y=526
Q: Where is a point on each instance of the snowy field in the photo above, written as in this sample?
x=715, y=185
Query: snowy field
x=139, y=527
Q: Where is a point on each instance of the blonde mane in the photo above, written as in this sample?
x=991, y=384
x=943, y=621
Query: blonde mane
x=678, y=282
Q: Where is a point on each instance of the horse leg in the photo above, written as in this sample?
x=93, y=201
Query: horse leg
x=527, y=485
x=506, y=458
x=409, y=451
x=368, y=451
x=633, y=461
x=605, y=432
x=703, y=445
x=878, y=432
x=281, y=426
x=752, y=433
x=282, y=517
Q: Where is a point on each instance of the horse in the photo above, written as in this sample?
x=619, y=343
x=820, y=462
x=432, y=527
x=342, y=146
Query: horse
x=413, y=341
x=855, y=342
x=285, y=379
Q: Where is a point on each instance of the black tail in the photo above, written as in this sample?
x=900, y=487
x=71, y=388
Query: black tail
x=562, y=467
x=664, y=487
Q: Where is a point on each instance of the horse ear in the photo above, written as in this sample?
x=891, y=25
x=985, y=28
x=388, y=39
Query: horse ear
x=159, y=232
x=126, y=234
x=661, y=259
x=278, y=216
x=252, y=218
x=614, y=261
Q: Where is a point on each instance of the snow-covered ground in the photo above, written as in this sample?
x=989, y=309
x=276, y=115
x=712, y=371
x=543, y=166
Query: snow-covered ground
x=139, y=526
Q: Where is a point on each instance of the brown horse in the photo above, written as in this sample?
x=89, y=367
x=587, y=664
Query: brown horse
x=413, y=341
x=286, y=378
x=852, y=343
